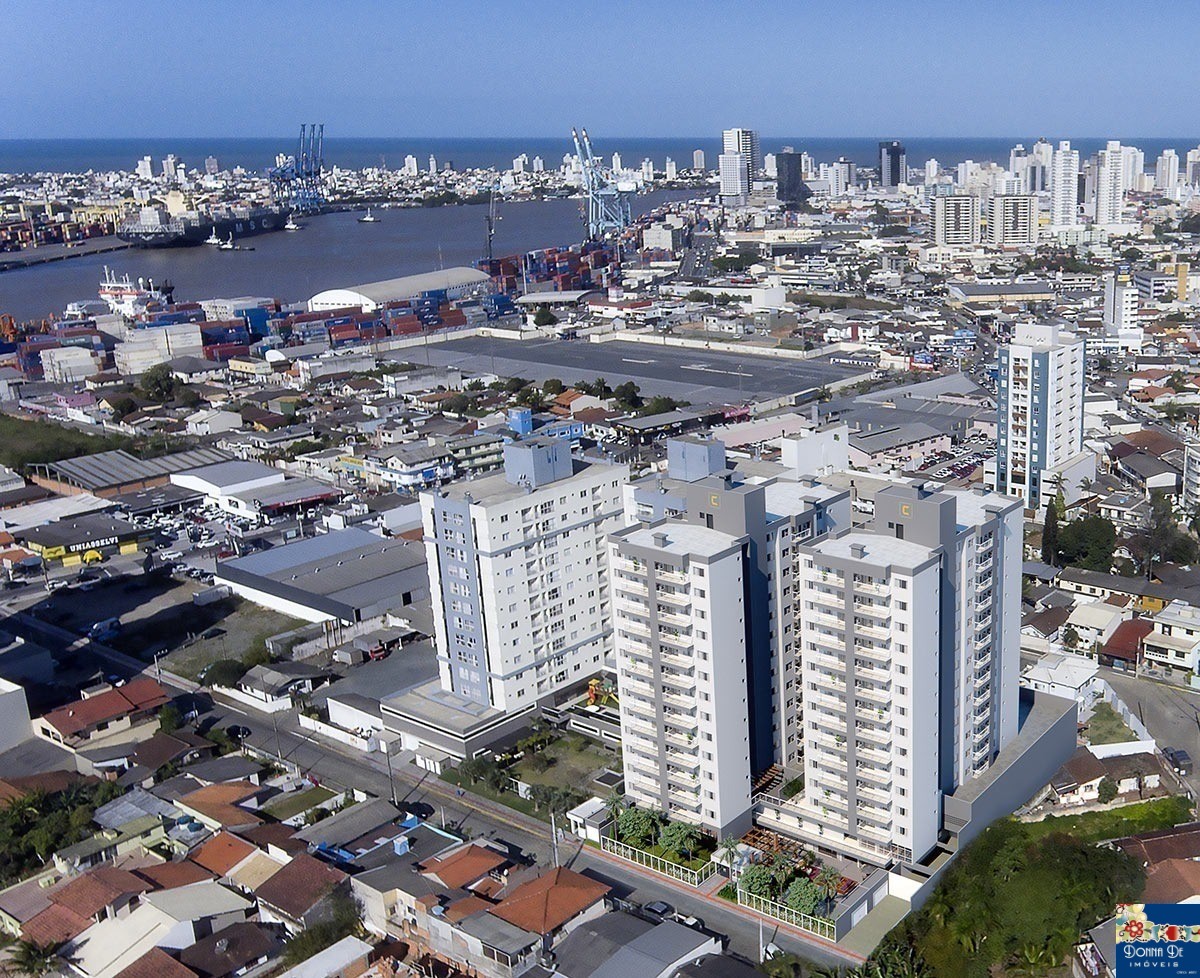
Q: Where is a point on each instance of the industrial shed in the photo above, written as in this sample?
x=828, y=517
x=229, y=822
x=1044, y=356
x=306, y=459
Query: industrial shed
x=455, y=282
x=349, y=575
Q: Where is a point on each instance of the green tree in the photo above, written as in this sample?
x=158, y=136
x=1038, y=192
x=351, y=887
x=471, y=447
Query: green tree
x=224, y=672
x=802, y=895
x=679, y=838
x=544, y=317
x=628, y=395
x=34, y=960
x=1089, y=543
x=1158, y=538
x=1106, y=791
x=553, y=387
x=638, y=826
x=829, y=881
x=530, y=397
x=158, y=383
x=169, y=718
x=515, y=384
x=1050, y=535
x=757, y=880
x=1070, y=638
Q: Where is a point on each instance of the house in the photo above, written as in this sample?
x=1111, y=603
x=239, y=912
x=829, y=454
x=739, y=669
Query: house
x=1123, y=648
x=87, y=899
x=1173, y=642
x=156, y=963
x=119, y=713
x=299, y=895
x=231, y=951
x=1071, y=676
x=1179, y=842
x=1078, y=781
x=348, y=958
x=213, y=422
x=619, y=945
x=1140, y=772
x=223, y=805
x=271, y=688
x=553, y=903
x=1094, y=624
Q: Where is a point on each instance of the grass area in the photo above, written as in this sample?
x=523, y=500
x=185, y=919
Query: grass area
x=24, y=442
x=507, y=798
x=243, y=628
x=698, y=862
x=1107, y=727
x=296, y=802
x=840, y=301
x=574, y=761
x=1144, y=816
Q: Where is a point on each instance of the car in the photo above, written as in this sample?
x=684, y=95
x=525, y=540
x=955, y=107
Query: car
x=105, y=627
x=658, y=908
x=1182, y=762
x=52, y=586
x=238, y=732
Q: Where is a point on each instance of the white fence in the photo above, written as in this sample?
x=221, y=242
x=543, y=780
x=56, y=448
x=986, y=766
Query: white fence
x=364, y=744
x=821, y=926
x=1132, y=720
x=656, y=864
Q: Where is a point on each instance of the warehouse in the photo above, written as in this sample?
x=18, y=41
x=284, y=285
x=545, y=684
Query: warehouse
x=254, y=490
x=86, y=539
x=112, y=473
x=455, y=282
x=349, y=575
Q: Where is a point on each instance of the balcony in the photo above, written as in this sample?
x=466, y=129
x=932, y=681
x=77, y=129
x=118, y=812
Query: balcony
x=681, y=599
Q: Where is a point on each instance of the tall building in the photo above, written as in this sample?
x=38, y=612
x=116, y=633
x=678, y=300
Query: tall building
x=1121, y=311
x=670, y=171
x=790, y=186
x=1064, y=186
x=519, y=163
x=932, y=169
x=744, y=143
x=1133, y=167
x=432, y=165
x=1039, y=407
x=908, y=664
x=539, y=165
x=893, y=164
x=735, y=179
x=955, y=220
x=769, y=166
x=1110, y=185
x=410, y=165
x=1012, y=220
x=170, y=166
x=145, y=168
x=648, y=170
x=698, y=159
x=616, y=161
x=704, y=628
x=212, y=166
x=518, y=569
x=1192, y=176
x=1166, y=171
x=1037, y=172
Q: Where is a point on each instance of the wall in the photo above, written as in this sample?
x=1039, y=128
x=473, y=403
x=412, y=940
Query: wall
x=14, y=715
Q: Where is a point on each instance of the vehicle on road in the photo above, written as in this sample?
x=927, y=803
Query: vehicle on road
x=658, y=908
x=238, y=732
x=109, y=626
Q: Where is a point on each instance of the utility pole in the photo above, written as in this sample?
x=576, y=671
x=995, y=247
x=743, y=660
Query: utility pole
x=391, y=781
x=554, y=838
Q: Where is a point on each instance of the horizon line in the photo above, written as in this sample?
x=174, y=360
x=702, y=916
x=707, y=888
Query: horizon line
x=21, y=139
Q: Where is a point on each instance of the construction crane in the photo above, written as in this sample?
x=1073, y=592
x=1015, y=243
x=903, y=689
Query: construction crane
x=608, y=202
x=296, y=181
x=491, y=219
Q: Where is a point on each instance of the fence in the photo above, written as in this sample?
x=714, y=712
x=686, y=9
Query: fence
x=656, y=864
x=1132, y=720
x=821, y=926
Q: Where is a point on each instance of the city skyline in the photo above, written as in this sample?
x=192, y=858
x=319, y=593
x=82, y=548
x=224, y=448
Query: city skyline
x=405, y=83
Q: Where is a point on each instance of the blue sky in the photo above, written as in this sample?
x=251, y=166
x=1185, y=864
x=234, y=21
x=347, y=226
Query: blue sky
x=659, y=67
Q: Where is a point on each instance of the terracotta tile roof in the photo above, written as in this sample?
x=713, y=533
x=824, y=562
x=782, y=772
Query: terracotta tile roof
x=229, y=951
x=1125, y=642
x=1180, y=842
x=468, y=905
x=221, y=853
x=543, y=905
x=219, y=802
x=134, y=697
x=1083, y=767
x=54, y=925
x=463, y=866
x=50, y=782
x=167, y=876
x=275, y=834
x=300, y=885
x=89, y=893
x=1172, y=881
x=156, y=963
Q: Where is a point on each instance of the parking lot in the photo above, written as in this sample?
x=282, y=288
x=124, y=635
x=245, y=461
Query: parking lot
x=962, y=462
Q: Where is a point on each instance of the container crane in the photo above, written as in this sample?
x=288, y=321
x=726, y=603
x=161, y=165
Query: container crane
x=608, y=200
x=296, y=181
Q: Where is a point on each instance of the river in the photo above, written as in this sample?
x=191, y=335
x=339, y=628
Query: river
x=332, y=251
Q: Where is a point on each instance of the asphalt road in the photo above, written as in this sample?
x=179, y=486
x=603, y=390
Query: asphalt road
x=722, y=374
x=1170, y=713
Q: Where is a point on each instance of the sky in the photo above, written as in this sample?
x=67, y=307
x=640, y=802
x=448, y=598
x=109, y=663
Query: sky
x=84, y=68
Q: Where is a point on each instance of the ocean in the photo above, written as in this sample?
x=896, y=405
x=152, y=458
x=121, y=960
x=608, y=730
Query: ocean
x=80, y=155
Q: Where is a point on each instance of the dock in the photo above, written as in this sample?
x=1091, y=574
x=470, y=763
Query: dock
x=28, y=257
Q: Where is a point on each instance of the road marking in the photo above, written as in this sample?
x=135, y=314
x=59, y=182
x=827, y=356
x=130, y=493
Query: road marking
x=632, y=360
x=714, y=370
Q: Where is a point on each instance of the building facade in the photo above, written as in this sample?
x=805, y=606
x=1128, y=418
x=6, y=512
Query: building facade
x=955, y=219
x=1012, y=220
x=893, y=164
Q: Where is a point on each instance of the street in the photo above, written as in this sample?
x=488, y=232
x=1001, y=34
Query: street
x=1170, y=713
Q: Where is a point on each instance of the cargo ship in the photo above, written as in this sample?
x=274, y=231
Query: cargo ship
x=155, y=228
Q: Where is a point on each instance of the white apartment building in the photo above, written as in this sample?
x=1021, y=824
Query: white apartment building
x=1166, y=172
x=518, y=568
x=735, y=179
x=681, y=668
x=955, y=220
x=1064, y=186
x=1121, y=312
x=1175, y=642
x=1111, y=169
x=744, y=143
x=1012, y=220
x=909, y=666
x=1040, y=409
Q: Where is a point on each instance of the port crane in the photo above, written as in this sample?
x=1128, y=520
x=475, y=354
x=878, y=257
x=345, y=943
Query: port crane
x=296, y=181
x=608, y=201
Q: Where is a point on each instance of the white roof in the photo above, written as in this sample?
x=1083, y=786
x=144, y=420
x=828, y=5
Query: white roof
x=1069, y=671
x=394, y=289
x=205, y=899
x=1096, y=614
x=107, y=948
x=332, y=961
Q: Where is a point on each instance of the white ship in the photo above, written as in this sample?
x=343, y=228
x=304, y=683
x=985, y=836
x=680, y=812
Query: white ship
x=130, y=298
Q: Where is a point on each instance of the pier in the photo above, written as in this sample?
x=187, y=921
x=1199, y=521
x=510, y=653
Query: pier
x=60, y=252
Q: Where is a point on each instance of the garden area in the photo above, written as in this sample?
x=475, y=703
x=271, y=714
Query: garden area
x=1116, y=823
x=651, y=832
x=800, y=884
x=557, y=767
x=1105, y=726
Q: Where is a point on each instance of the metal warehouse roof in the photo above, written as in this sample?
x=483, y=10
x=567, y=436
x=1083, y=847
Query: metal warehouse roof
x=105, y=469
x=408, y=286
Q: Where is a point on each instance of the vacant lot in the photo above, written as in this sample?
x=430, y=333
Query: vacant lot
x=239, y=628
x=1107, y=727
x=574, y=761
x=1145, y=816
x=26, y=442
x=296, y=802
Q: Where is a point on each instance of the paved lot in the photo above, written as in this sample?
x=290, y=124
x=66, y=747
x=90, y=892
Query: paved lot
x=719, y=375
x=1171, y=714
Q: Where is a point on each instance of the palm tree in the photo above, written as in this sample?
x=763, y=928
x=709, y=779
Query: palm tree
x=829, y=879
x=615, y=804
x=781, y=869
x=33, y=959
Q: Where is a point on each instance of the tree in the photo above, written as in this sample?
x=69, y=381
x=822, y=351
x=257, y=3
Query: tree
x=802, y=895
x=628, y=394
x=553, y=387
x=614, y=804
x=169, y=718
x=1106, y=791
x=679, y=838
x=638, y=826
x=544, y=317
x=1070, y=638
x=515, y=384
x=1159, y=537
x=1089, y=543
x=730, y=851
x=757, y=880
x=224, y=672
x=158, y=383
x=33, y=959
x=530, y=397
x=1050, y=535
x=456, y=404
x=829, y=881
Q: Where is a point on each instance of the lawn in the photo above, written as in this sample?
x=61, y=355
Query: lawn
x=26, y=442
x=296, y=802
x=1107, y=727
x=1144, y=816
x=574, y=761
x=507, y=798
x=245, y=626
